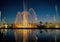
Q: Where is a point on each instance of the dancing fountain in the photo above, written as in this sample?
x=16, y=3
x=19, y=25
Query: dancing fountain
x=24, y=20
x=56, y=17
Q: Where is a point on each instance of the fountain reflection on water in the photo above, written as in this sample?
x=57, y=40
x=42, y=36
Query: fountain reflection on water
x=23, y=21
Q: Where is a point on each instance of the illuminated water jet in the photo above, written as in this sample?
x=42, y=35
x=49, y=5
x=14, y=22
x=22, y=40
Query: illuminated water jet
x=23, y=21
x=23, y=16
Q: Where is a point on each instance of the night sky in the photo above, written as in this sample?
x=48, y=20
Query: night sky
x=45, y=9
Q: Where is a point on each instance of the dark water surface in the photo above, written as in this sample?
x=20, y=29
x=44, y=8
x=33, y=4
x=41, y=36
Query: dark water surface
x=42, y=35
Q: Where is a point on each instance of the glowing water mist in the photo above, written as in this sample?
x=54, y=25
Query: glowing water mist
x=24, y=24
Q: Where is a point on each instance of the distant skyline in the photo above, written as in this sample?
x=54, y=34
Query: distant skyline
x=45, y=9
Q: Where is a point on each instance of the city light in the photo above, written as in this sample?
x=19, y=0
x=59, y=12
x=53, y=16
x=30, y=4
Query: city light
x=27, y=21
